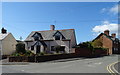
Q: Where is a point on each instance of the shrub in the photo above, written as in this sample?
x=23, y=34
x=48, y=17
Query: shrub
x=97, y=43
x=20, y=48
x=86, y=45
x=29, y=53
x=16, y=54
x=100, y=48
x=41, y=53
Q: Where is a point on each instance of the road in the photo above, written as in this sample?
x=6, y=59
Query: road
x=116, y=66
x=78, y=65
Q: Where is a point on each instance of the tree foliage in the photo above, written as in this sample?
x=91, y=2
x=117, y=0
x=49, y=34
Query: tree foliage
x=87, y=44
x=20, y=48
x=97, y=43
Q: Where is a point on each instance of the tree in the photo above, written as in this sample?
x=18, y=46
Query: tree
x=20, y=48
x=97, y=43
x=87, y=44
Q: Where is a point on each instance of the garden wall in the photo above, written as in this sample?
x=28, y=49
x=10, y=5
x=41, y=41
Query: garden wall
x=100, y=52
x=79, y=52
x=86, y=52
x=41, y=58
x=22, y=59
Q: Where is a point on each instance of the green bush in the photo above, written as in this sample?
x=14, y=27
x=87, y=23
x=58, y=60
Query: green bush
x=16, y=54
x=20, y=48
x=86, y=45
x=29, y=53
x=100, y=48
x=41, y=53
x=97, y=43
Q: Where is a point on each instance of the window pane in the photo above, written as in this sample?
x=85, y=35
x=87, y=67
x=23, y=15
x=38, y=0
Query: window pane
x=57, y=37
x=52, y=48
x=32, y=47
x=36, y=38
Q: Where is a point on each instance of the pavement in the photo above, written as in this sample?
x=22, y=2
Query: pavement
x=74, y=65
x=6, y=62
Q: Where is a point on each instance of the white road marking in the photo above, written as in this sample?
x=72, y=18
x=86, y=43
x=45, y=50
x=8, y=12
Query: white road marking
x=22, y=70
x=98, y=63
x=88, y=59
x=90, y=65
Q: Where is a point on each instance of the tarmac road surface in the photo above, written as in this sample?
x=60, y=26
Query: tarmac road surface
x=76, y=65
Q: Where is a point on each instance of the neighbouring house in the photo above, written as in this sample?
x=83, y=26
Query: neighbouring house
x=46, y=41
x=7, y=43
x=108, y=41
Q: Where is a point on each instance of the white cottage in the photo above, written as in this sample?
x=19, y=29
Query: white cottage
x=45, y=41
x=7, y=43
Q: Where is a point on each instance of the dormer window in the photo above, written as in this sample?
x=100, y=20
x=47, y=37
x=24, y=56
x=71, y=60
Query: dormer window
x=37, y=36
x=58, y=36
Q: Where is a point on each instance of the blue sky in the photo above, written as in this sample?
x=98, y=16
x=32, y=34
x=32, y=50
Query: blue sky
x=87, y=18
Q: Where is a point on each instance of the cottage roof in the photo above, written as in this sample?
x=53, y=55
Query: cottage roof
x=48, y=35
x=2, y=36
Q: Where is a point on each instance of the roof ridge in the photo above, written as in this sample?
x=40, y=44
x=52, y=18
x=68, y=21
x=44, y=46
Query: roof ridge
x=52, y=30
x=3, y=36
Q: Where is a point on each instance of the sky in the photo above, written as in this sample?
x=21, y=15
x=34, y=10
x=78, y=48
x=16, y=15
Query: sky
x=87, y=18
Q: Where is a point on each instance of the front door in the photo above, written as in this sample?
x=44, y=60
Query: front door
x=38, y=49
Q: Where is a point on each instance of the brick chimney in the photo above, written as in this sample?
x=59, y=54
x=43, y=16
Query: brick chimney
x=113, y=35
x=106, y=32
x=52, y=27
x=3, y=31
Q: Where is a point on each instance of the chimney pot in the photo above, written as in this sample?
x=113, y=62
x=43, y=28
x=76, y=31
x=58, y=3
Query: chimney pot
x=106, y=32
x=113, y=35
x=3, y=31
x=52, y=27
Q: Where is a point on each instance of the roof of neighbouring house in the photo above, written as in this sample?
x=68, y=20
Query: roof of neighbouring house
x=109, y=37
x=2, y=36
x=48, y=35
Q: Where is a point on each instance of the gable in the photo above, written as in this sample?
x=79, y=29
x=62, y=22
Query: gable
x=36, y=34
x=59, y=34
x=102, y=34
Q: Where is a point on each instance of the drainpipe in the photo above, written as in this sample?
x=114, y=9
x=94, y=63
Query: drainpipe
x=69, y=46
x=1, y=50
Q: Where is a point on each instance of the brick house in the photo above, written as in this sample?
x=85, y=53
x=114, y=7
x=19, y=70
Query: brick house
x=110, y=42
x=45, y=41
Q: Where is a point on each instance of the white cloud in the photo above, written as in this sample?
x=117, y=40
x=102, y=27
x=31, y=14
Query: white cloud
x=114, y=9
x=106, y=25
x=103, y=10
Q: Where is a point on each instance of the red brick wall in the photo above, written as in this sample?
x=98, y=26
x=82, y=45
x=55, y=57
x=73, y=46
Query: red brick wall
x=87, y=52
x=83, y=51
x=101, y=52
x=107, y=43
